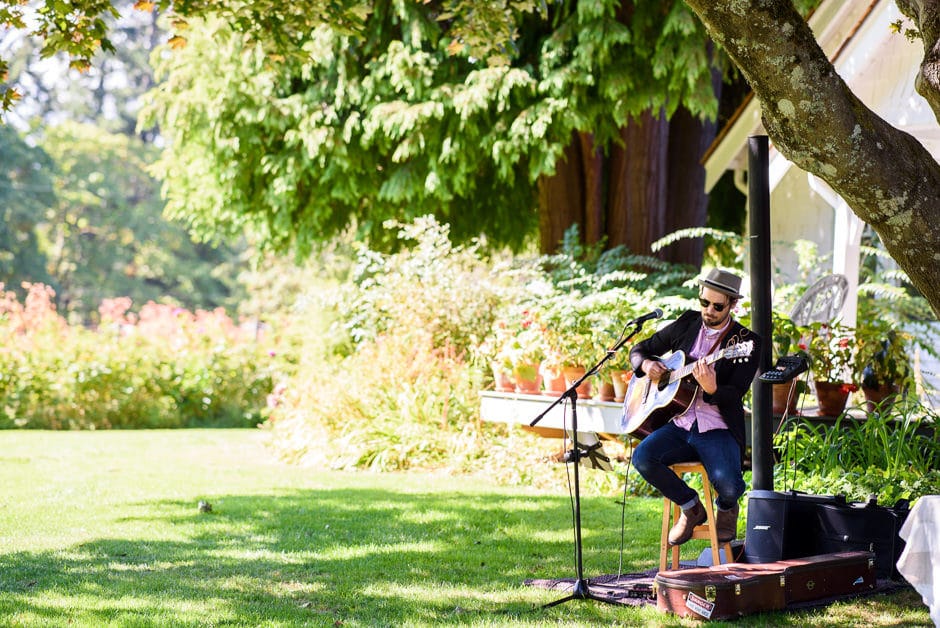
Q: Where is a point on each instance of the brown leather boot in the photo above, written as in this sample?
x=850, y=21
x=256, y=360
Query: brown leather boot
x=726, y=524
x=682, y=531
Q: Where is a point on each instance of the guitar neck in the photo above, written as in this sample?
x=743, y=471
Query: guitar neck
x=687, y=369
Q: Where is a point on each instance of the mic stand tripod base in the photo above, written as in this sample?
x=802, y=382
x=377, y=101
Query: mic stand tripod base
x=579, y=592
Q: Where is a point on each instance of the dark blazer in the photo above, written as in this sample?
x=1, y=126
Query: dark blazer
x=734, y=376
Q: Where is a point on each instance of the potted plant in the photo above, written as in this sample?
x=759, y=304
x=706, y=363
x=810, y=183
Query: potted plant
x=569, y=330
x=882, y=360
x=787, y=339
x=619, y=370
x=513, y=349
x=832, y=357
x=491, y=353
x=528, y=350
x=523, y=349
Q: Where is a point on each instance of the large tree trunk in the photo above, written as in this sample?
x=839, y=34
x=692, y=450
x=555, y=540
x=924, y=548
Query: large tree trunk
x=636, y=198
x=561, y=198
x=886, y=176
x=592, y=163
x=689, y=138
x=638, y=192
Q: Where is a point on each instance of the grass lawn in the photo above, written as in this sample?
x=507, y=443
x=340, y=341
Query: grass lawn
x=104, y=529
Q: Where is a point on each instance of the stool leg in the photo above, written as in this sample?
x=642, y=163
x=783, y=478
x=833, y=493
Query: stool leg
x=729, y=557
x=676, y=513
x=671, y=513
x=663, y=540
x=710, y=518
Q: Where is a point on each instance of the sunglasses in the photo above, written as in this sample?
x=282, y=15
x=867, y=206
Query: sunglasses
x=719, y=307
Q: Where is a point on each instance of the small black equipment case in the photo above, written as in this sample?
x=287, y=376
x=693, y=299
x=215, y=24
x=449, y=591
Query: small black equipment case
x=863, y=526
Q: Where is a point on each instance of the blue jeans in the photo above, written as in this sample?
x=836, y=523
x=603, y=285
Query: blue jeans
x=717, y=450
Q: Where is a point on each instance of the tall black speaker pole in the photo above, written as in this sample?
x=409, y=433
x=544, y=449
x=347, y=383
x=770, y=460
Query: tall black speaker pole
x=758, y=198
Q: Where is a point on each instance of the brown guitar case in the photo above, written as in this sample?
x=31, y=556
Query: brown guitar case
x=735, y=589
x=720, y=591
x=828, y=575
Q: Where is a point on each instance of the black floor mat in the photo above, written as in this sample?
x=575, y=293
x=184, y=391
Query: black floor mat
x=634, y=589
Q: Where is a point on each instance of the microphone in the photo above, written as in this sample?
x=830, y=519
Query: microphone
x=657, y=313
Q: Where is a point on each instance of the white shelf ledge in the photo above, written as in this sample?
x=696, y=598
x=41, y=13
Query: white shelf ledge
x=521, y=409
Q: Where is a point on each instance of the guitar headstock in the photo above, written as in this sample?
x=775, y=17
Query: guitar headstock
x=739, y=350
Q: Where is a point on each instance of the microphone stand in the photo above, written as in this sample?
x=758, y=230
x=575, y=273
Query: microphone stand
x=581, y=591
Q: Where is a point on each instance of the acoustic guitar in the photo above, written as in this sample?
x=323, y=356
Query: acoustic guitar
x=648, y=406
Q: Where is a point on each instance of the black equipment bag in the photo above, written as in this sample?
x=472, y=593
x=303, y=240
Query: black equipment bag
x=783, y=524
x=864, y=526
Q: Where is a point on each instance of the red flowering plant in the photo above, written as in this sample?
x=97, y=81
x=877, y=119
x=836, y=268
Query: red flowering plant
x=526, y=347
x=517, y=343
x=832, y=353
x=35, y=317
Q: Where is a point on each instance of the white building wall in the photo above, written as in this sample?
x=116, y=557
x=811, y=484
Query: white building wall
x=797, y=213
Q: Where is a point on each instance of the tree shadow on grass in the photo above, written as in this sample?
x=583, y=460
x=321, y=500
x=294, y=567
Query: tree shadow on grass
x=360, y=556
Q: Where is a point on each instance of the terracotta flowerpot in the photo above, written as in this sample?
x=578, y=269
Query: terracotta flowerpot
x=620, y=380
x=503, y=381
x=781, y=393
x=832, y=397
x=883, y=395
x=527, y=379
x=605, y=391
x=573, y=374
x=553, y=382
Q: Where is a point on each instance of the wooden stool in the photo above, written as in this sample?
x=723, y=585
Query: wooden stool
x=703, y=531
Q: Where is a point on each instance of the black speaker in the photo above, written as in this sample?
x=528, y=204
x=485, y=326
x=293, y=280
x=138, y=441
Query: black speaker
x=784, y=524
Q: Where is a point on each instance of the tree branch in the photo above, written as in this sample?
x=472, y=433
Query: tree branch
x=926, y=14
x=886, y=176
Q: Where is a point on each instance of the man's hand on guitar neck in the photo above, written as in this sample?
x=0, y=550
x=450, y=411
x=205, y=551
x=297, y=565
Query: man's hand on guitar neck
x=704, y=374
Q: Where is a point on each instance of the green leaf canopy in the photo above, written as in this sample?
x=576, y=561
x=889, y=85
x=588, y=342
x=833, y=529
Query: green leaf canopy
x=398, y=119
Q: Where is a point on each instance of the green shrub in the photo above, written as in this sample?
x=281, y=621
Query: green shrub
x=893, y=453
x=400, y=393
x=417, y=330
x=448, y=292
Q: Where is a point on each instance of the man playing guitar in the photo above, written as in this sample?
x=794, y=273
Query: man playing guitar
x=711, y=428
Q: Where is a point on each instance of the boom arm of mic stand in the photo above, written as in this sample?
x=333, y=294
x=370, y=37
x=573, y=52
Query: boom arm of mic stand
x=572, y=390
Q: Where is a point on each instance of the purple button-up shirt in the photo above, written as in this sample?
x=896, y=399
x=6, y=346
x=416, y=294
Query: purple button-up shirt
x=705, y=414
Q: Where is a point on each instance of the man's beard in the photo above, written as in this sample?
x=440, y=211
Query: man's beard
x=717, y=324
